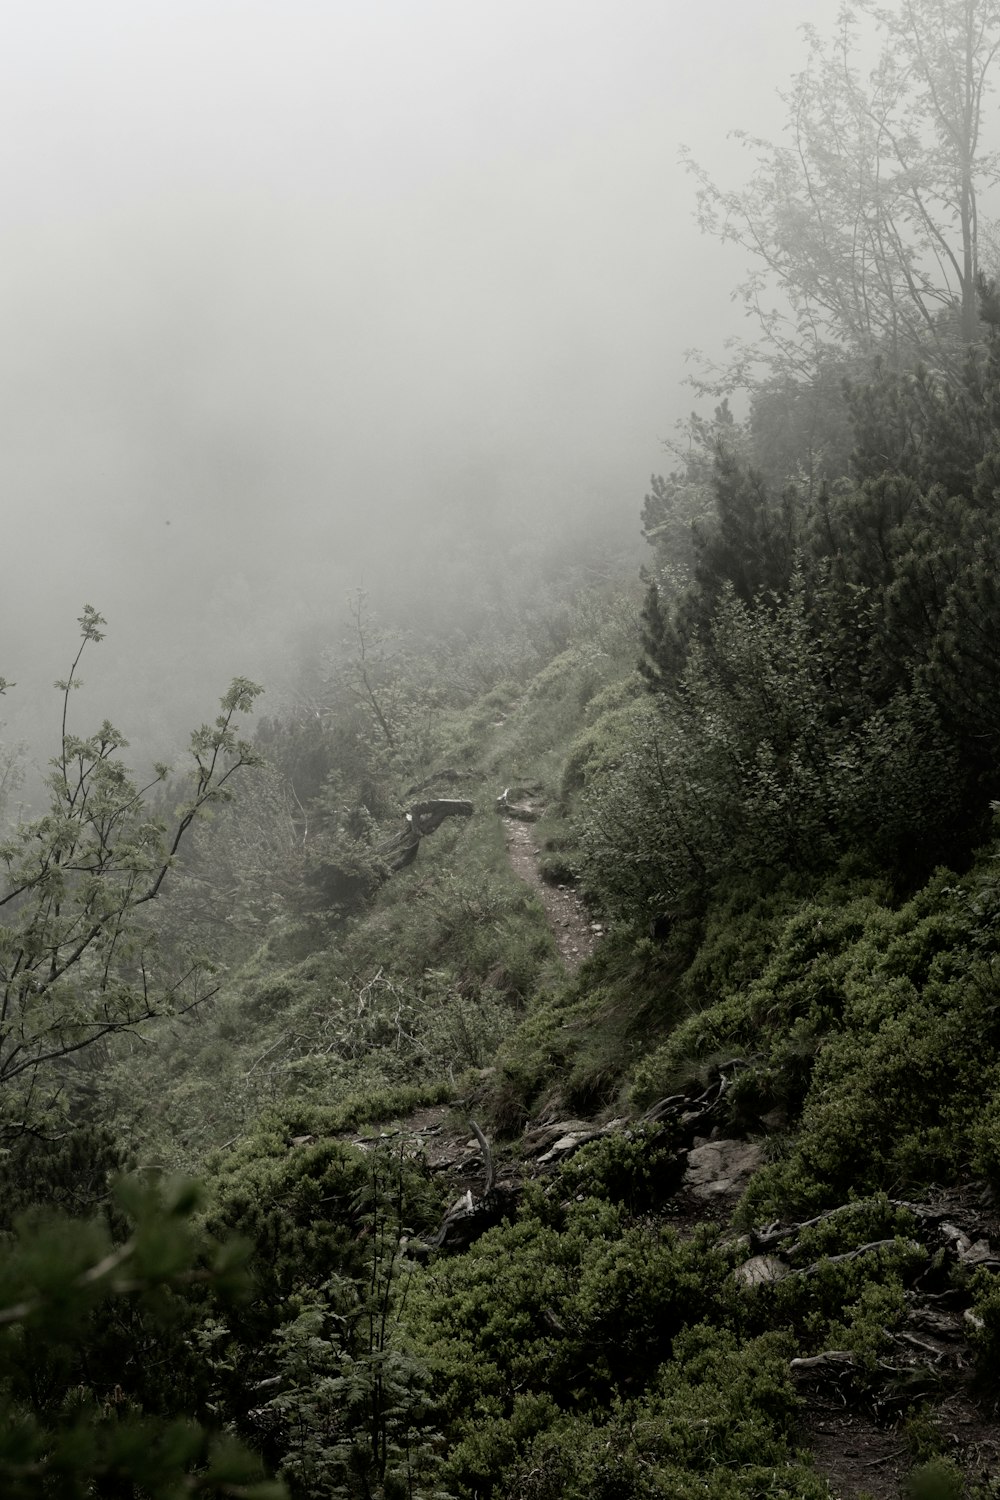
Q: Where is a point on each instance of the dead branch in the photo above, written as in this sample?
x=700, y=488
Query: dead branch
x=830, y=1360
x=484, y=1146
x=833, y=1260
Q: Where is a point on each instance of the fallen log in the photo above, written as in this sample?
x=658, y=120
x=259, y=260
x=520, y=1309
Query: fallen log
x=423, y=818
x=449, y=775
x=970, y=1246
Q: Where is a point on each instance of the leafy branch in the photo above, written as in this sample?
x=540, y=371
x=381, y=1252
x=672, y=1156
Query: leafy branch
x=77, y=964
x=56, y=1276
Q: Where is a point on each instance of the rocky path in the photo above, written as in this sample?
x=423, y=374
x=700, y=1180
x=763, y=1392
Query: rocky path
x=575, y=933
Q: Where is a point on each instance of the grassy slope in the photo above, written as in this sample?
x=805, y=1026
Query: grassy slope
x=587, y=1349
x=425, y=984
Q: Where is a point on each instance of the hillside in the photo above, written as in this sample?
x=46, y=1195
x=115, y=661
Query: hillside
x=554, y=1053
x=576, y=1149
x=544, y=1042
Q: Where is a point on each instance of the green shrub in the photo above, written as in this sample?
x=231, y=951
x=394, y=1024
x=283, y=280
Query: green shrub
x=80, y=1412
x=938, y=1479
x=638, y=1168
x=716, y=1421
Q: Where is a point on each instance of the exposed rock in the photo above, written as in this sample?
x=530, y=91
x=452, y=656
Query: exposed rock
x=469, y=1218
x=566, y=1136
x=760, y=1270
x=719, y=1168
x=525, y=812
x=972, y=1253
x=564, y=1146
x=541, y=1137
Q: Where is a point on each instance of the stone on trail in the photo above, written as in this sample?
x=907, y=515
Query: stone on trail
x=719, y=1168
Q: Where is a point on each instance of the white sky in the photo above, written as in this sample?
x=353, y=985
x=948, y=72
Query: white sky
x=338, y=287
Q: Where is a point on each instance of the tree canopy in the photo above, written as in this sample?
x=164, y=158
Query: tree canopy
x=863, y=225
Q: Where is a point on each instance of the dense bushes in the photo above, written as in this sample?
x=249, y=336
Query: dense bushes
x=826, y=680
x=762, y=757
x=869, y=1028
x=311, y=1367
x=585, y=1351
x=518, y=1333
x=103, y=1388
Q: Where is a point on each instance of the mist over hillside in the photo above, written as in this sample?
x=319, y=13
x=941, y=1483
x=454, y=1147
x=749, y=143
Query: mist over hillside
x=547, y=1048
x=297, y=301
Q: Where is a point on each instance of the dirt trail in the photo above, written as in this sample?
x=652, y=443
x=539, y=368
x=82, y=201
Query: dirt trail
x=575, y=933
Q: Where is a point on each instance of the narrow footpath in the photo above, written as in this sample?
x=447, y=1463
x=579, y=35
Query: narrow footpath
x=576, y=934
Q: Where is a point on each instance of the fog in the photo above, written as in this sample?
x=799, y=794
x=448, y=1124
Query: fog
x=308, y=295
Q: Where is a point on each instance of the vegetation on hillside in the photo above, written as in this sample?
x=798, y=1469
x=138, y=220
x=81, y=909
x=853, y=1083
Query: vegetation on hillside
x=770, y=769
